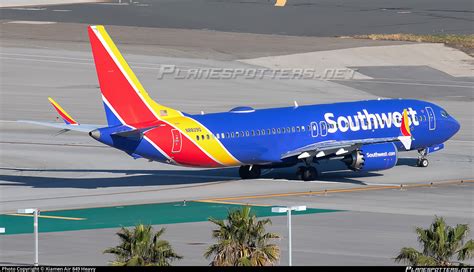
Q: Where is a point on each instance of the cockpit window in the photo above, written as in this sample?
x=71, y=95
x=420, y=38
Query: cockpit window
x=444, y=114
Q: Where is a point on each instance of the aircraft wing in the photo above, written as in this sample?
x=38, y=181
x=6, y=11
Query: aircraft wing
x=333, y=147
x=81, y=127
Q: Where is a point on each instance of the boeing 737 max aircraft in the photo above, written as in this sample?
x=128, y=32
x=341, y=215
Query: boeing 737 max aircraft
x=365, y=135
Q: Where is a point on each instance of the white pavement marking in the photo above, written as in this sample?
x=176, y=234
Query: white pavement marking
x=24, y=3
x=31, y=22
x=31, y=9
x=88, y=60
x=410, y=83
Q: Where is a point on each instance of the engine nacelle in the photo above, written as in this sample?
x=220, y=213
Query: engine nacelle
x=372, y=157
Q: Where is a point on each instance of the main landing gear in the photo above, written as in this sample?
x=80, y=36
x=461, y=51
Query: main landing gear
x=250, y=171
x=307, y=173
x=422, y=160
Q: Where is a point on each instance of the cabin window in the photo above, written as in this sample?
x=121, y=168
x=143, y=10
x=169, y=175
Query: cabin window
x=298, y=129
x=207, y=136
x=278, y=130
x=197, y=137
x=228, y=135
x=293, y=129
x=237, y=134
x=263, y=132
x=242, y=134
x=247, y=133
x=273, y=131
x=253, y=132
x=232, y=134
x=302, y=128
x=202, y=137
x=268, y=131
x=222, y=135
x=217, y=135
x=258, y=132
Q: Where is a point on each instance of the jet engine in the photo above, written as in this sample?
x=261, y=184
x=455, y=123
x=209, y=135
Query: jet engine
x=372, y=157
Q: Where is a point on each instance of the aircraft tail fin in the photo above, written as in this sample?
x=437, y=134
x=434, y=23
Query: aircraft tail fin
x=125, y=99
x=64, y=115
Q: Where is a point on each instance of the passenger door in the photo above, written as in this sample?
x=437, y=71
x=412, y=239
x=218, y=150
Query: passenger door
x=431, y=118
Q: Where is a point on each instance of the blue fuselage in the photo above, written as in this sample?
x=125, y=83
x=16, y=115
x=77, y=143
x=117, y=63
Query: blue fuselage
x=262, y=136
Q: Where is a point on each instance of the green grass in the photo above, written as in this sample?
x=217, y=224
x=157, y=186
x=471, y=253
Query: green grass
x=112, y=217
x=462, y=42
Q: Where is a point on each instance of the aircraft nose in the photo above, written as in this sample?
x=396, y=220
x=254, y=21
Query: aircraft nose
x=456, y=125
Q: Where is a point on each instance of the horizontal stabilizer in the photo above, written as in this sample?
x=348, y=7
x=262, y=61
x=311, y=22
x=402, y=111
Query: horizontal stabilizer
x=81, y=127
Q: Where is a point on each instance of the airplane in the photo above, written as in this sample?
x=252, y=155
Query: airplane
x=365, y=135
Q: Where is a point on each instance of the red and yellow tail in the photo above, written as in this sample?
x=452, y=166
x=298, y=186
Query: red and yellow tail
x=125, y=99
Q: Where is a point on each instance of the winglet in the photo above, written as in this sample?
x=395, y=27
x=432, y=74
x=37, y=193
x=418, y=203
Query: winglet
x=66, y=117
x=406, y=136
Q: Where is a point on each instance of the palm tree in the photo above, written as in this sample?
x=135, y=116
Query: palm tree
x=141, y=247
x=440, y=243
x=242, y=241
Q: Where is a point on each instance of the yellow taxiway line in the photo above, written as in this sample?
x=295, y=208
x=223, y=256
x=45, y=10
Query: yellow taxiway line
x=332, y=191
x=232, y=203
x=49, y=216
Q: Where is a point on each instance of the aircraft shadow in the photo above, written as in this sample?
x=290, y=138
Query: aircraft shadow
x=127, y=178
x=407, y=161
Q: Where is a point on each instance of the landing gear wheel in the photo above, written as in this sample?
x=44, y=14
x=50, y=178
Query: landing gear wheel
x=300, y=171
x=249, y=171
x=423, y=162
x=309, y=173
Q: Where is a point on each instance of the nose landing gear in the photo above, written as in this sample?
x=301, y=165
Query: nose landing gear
x=422, y=160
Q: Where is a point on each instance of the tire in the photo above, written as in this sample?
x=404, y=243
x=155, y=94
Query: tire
x=255, y=172
x=424, y=163
x=310, y=173
x=299, y=172
x=244, y=172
